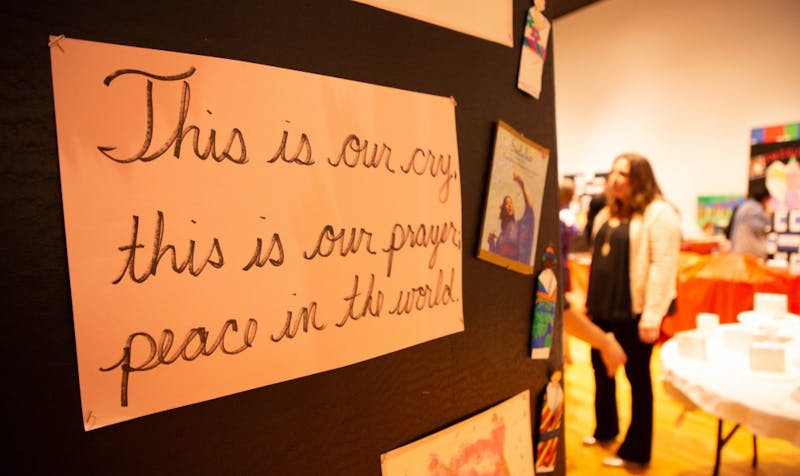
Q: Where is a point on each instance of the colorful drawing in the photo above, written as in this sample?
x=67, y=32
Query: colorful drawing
x=484, y=455
x=534, y=50
x=774, y=153
x=533, y=38
x=497, y=442
x=544, y=309
x=714, y=212
x=550, y=425
x=783, y=182
x=514, y=201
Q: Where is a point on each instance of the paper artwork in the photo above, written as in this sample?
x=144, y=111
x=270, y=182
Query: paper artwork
x=550, y=425
x=487, y=20
x=534, y=51
x=231, y=225
x=514, y=201
x=496, y=442
x=544, y=308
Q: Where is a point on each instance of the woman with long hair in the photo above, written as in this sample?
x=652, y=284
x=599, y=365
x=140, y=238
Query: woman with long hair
x=632, y=283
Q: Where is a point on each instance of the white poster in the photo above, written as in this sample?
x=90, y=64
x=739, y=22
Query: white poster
x=232, y=225
x=489, y=20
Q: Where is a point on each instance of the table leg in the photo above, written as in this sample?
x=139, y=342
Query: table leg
x=721, y=442
x=719, y=447
x=755, y=452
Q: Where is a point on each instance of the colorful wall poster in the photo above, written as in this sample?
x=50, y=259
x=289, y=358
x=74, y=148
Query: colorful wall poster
x=775, y=165
x=782, y=179
x=775, y=134
x=774, y=155
x=487, y=20
x=714, y=212
x=514, y=200
x=534, y=50
x=232, y=225
x=497, y=441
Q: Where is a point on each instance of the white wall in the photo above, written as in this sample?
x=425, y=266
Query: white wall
x=681, y=81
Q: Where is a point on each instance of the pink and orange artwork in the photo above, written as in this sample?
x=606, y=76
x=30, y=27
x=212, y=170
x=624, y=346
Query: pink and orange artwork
x=484, y=456
x=496, y=442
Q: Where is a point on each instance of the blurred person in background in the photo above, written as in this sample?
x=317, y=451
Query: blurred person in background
x=750, y=224
x=575, y=323
x=632, y=282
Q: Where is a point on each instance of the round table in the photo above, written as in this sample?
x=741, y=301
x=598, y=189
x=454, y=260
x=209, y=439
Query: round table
x=766, y=403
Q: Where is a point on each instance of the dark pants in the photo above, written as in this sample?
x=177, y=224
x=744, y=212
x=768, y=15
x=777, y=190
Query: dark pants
x=638, y=440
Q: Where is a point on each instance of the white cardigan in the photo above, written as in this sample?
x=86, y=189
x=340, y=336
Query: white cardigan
x=655, y=241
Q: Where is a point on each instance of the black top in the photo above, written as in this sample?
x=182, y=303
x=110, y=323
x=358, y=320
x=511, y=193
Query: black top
x=609, y=293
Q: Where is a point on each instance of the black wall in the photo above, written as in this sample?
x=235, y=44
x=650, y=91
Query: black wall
x=333, y=423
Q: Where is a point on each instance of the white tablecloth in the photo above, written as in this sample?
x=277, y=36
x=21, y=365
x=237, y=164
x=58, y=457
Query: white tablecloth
x=766, y=403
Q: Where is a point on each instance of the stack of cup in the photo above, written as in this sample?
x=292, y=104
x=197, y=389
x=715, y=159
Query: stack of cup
x=707, y=322
x=773, y=306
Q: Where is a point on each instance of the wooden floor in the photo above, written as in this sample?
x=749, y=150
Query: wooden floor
x=687, y=449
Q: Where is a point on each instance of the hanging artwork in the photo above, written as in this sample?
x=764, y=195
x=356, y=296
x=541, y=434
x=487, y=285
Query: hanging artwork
x=775, y=165
x=496, y=442
x=534, y=50
x=714, y=212
x=487, y=20
x=514, y=201
x=550, y=425
x=544, y=308
x=231, y=225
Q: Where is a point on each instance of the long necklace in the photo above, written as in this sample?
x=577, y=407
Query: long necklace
x=611, y=225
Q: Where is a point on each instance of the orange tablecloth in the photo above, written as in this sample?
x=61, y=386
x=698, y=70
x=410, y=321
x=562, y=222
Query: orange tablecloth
x=722, y=283
x=701, y=246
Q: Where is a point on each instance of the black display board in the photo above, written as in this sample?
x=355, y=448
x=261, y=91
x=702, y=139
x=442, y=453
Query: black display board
x=334, y=423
